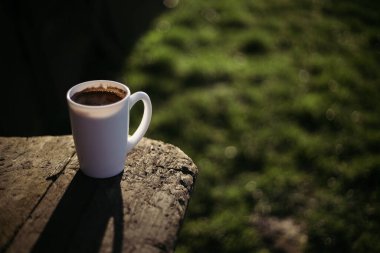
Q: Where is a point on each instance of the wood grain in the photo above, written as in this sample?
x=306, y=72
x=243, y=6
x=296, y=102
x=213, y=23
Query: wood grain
x=61, y=210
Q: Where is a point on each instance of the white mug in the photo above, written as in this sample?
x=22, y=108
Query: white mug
x=101, y=132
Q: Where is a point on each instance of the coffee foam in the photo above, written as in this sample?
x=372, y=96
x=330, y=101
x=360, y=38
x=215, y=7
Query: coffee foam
x=105, y=88
x=101, y=95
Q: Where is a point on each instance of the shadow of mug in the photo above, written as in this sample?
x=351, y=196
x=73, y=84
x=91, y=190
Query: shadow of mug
x=82, y=217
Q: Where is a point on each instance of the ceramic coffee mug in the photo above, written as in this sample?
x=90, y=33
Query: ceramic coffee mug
x=101, y=132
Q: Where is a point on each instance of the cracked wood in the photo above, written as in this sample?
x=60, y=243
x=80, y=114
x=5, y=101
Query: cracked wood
x=47, y=205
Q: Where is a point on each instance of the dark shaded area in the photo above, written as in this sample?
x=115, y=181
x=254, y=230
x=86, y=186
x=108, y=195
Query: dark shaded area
x=255, y=47
x=79, y=222
x=49, y=46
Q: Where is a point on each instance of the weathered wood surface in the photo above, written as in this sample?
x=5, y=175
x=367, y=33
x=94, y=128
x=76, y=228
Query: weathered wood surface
x=48, y=205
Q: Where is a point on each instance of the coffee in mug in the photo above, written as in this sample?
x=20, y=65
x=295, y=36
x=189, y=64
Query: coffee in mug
x=99, y=95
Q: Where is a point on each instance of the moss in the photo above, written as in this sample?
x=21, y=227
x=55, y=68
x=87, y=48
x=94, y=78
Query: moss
x=277, y=102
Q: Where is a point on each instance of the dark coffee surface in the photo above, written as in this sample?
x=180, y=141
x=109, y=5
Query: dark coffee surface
x=99, y=96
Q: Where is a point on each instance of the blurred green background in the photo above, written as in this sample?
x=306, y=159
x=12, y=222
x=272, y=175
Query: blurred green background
x=277, y=102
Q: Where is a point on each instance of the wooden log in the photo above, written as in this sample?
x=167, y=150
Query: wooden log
x=48, y=205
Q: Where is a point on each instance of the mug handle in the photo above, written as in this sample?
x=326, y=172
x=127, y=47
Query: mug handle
x=144, y=124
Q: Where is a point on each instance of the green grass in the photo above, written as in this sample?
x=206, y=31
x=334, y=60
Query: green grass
x=277, y=102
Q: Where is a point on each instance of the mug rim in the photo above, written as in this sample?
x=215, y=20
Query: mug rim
x=88, y=84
